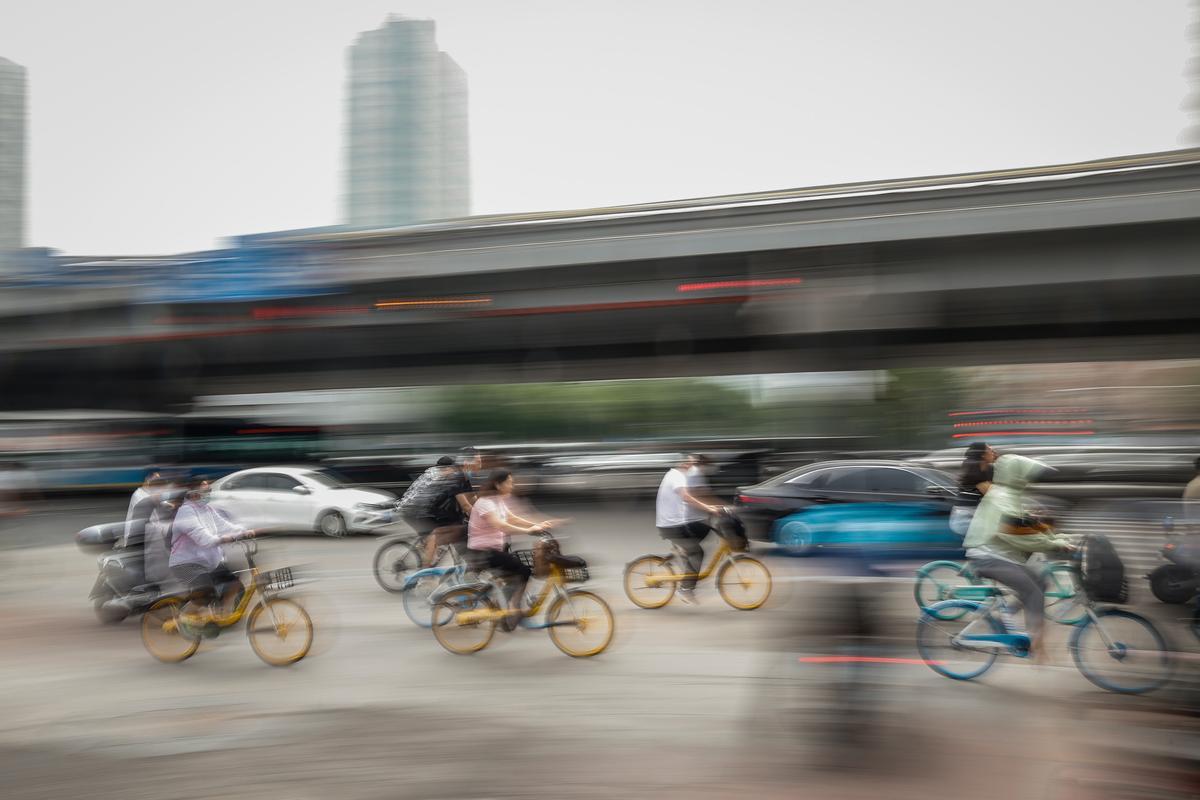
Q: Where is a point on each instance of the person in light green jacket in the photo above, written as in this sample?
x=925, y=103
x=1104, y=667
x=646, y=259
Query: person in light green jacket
x=1002, y=536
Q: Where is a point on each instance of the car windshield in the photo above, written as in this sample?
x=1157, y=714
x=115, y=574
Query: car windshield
x=328, y=480
x=935, y=476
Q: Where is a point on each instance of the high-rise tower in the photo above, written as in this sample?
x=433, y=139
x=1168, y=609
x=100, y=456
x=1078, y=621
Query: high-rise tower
x=12, y=155
x=407, y=154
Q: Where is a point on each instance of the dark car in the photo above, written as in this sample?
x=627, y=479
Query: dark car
x=1087, y=473
x=832, y=482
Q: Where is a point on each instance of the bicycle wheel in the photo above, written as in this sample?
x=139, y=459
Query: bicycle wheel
x=936, y=582
x=744, y=582
x=394, y=560
x=280, y=631
x=416, y=599
x=459, y=635
x=939, y=645
x=1065, y=600
x=1133, y=660
x=581, y=624
x=162, y=635
x=649, y=595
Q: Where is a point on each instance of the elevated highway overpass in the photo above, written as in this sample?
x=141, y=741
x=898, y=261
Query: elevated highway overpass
x=1087, y=261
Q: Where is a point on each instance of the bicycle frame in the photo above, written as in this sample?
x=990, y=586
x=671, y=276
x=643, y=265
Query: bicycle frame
x=722, y=553
x=1015, y=643
x=458, y=569
x=254, y=587
x=552, y=586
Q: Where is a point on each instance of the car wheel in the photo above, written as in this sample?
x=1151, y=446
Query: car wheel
x=332, y=524
x=797, y=539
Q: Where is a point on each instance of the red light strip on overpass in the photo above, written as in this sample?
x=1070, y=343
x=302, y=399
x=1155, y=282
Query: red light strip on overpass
x=432, y=303
x=630, y=305
x=761, y=283
x=1042, y=411
x=986, y=423
x=1024, y=433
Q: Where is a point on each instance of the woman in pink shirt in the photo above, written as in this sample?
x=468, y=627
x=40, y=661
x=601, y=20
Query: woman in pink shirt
x=488, y=530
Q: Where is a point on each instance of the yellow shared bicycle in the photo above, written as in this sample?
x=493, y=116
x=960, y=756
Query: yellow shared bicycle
x=280, y=630
x=579, y=622
x=743, y=581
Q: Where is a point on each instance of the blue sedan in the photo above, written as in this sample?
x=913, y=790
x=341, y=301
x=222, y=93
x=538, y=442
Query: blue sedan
x=874, y=530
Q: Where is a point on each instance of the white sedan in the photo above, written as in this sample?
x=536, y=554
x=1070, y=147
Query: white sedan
x=301, y=499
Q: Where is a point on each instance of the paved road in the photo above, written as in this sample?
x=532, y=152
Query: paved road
x=688, y=702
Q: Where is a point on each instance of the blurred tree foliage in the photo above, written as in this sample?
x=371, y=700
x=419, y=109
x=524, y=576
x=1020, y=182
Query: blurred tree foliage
x=597, y=410
x=910, y=411
x=913, y=406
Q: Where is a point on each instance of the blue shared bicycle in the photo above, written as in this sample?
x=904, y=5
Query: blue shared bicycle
x=1115, y=649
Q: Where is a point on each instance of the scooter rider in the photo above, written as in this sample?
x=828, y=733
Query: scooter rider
x=142, y=504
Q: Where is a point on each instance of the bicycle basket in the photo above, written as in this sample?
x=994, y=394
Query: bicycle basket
x=578, y=574
x=733, y=532
x=1102, y=573
x=573, y=568
x=277, y=580
x=527, y=558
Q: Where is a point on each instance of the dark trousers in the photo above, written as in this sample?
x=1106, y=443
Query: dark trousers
x=422, y=526
x=1020, y=579
x=204, y=583
x=687, y=538
x=505, y=564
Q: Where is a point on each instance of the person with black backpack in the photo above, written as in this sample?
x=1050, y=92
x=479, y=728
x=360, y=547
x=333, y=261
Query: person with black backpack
x=416, y=506
x=1002, y=536
x=451, y=505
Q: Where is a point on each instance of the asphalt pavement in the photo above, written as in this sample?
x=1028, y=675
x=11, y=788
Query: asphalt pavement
x=701, y=701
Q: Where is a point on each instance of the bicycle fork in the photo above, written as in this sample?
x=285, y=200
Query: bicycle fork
x=1109, y=644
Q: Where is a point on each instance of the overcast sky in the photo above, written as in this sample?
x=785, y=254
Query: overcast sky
x=164, y=125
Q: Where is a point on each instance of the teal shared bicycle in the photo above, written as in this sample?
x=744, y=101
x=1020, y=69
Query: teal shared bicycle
x=1066, y=603
x=1117, y=650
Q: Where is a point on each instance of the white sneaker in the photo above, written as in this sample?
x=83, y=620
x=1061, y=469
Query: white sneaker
x=687, y=597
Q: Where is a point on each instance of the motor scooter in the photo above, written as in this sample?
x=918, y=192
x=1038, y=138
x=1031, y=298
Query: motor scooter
x=121, y=588
x=1178, y=580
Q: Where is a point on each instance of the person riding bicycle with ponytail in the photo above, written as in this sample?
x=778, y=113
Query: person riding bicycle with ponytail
x=1003, y=536
x=492, y=522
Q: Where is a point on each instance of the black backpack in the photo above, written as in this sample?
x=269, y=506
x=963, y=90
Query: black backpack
x=1101, y=571
x=422, y=493
x=733, y=532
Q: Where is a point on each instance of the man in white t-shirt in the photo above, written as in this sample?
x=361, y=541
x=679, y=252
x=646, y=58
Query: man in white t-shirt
x=680, y=517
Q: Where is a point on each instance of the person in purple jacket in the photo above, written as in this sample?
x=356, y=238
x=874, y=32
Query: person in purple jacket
x=197, y=560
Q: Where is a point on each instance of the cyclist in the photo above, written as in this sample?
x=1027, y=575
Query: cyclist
x=973, y=484
x=450, y=507
x=1002, y=536
x=197, y=560
x=415, y=504
x=680, y=514
x=492, y=522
